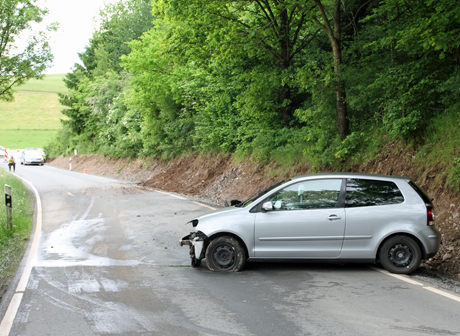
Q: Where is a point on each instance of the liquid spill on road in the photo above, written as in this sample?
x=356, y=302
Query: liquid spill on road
x=71, y=245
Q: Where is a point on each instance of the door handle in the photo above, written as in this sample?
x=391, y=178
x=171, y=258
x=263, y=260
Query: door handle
x=334, y=217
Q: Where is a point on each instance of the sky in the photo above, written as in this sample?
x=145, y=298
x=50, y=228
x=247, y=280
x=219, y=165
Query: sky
x=76, y=20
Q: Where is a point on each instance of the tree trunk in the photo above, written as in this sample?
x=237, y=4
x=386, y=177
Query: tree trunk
x=285, y=90
x=335, y=38
x=342, y=116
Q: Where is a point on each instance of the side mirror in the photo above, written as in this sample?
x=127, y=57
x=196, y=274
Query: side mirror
x=234, y=202
x=267, y=206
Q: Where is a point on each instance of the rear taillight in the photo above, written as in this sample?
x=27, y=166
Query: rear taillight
x=430, y=216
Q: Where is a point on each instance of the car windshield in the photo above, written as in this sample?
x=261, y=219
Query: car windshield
x=253, y=198
x=33, y=153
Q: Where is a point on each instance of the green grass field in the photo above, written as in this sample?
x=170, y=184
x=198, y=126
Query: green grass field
x=51, y=83
x=31, y=110
x=20, y=139
x=33, y=118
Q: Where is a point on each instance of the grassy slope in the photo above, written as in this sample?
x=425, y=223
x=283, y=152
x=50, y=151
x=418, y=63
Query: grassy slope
x=51, y=83
x=33, y=118
x=31, y=111
x=15, y=139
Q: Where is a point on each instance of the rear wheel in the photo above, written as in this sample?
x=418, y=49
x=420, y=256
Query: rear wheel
x=400, y=254
x=225, y=254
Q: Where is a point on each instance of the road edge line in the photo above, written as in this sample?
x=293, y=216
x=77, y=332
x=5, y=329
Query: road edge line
x=15, y=302
x=414, y=282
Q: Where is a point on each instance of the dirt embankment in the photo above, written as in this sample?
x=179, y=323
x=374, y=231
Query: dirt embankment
x=216, y=178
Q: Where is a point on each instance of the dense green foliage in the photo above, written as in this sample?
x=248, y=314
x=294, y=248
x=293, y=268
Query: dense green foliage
x=316, y=81
x=98, y=117
x=17, y=65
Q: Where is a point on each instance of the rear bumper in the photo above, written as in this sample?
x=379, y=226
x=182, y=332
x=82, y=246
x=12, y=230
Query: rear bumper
x=34, y=162
x=432, y=242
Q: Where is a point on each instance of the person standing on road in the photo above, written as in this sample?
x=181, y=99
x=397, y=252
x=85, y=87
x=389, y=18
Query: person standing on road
x=11, y=163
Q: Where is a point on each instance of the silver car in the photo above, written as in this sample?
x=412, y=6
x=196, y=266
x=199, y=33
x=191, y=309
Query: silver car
x=32, y=156
x=336, y=217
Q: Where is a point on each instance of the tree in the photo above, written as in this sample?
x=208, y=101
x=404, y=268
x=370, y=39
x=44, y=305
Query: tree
x=121, y=22
x=97, y=115
x=334, y=33
x=18, y=66
x=328, y=16
x=264, y=36
x=413, y=50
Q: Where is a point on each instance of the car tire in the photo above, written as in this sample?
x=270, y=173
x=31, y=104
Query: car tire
x=400, y=255
x=195, y=262
x=225, y=254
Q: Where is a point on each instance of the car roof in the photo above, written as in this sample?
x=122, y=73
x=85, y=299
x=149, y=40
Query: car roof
x=352, y=175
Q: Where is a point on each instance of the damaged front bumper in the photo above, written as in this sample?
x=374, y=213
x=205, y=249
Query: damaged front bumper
x=196, y=241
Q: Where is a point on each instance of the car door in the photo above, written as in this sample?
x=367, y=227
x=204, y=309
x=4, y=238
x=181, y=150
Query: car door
x=307, y=221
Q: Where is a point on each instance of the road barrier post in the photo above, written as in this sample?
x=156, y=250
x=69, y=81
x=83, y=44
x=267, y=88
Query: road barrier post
x=70, y=163
x=9, y=207
x=85, y=170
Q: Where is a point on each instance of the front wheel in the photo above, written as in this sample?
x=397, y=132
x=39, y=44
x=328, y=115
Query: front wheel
x=195, y=262
x=400, y=254
x=225, y=254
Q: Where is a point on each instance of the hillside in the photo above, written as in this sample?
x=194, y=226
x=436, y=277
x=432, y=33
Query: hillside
x=33, y=118
x=214, y=178
x=50, y=83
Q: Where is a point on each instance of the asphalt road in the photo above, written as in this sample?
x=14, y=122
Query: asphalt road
x=109, y=263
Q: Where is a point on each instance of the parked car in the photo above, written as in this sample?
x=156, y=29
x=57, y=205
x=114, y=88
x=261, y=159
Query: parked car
x=334, y=217
x=32, y=156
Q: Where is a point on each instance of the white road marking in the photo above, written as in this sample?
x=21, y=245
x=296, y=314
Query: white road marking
x=69, y=193
x=398, y=276
x=440, y=292
x=166, y=193
x=182, y=198
x=7, y=321
x=413, y=282
x=10, y=314
x=207, y=206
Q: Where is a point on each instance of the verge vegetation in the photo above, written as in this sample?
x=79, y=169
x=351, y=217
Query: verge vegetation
x=14, y=243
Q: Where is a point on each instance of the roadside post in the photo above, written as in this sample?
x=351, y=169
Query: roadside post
x=70, y=163
x=9, y=207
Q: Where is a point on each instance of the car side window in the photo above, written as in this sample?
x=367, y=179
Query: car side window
x=362, y=192
x=315, y=194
